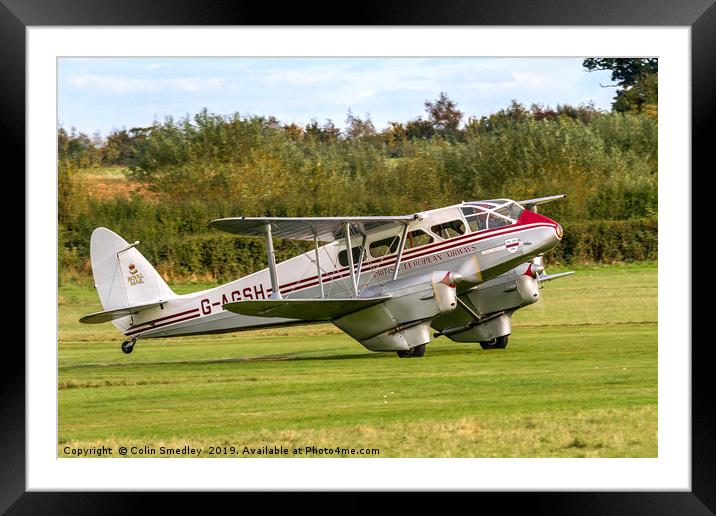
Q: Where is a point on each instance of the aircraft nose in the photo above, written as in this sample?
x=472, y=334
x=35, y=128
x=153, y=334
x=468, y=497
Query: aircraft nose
x=530, y=217
x=557, y=233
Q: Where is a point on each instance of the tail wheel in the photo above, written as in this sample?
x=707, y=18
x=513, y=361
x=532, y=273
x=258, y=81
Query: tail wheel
x=416, y=352
x=498, y=343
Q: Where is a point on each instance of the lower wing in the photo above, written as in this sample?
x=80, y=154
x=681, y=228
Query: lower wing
x=304, y=309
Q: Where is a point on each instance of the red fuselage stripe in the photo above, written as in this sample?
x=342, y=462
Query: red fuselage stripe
x=417, y=253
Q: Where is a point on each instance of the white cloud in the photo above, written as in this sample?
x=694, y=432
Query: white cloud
x=298, y=78
x=516, y=81
x=126, y=85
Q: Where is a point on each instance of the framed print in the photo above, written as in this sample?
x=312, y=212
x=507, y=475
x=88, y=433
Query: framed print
x=43, y=45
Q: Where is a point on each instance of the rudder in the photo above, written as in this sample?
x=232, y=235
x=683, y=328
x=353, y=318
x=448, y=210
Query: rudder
x=123, y=277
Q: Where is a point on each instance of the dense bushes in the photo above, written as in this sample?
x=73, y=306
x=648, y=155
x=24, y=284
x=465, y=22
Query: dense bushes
x=176, y=240
x=607, y=166
x=607, y=241
x=213, y=166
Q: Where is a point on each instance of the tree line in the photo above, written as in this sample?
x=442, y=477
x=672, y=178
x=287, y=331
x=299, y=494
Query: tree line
x=636, y=81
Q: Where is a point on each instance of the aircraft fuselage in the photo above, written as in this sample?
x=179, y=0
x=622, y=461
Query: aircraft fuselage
x=479, y=255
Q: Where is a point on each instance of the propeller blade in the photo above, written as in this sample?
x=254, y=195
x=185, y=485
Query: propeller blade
x=537, y=266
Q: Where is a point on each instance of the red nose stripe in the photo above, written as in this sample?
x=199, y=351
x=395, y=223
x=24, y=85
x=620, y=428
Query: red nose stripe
x=530, y=217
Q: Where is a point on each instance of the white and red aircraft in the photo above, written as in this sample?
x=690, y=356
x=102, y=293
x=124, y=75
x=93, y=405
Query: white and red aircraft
x=462, y=270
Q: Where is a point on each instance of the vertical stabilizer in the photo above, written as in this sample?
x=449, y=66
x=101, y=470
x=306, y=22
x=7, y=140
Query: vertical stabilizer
x=123, y=277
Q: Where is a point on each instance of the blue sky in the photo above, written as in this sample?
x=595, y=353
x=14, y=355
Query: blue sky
x=102, y=94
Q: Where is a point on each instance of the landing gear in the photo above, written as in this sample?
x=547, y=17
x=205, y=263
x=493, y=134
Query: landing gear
x=498, y=343
x=128, y=346
x=416, y=352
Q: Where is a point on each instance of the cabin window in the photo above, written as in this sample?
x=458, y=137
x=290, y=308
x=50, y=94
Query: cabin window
x=449, y=229
x=385, y=246
x=343, y=256
x=417, y=238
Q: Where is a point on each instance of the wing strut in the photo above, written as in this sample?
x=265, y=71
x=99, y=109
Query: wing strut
x=349, y=252
x=271, y=257
x=400, y=253
x=318, y=266
x=361, y=256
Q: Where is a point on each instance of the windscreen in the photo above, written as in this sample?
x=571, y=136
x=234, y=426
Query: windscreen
x=483, y=215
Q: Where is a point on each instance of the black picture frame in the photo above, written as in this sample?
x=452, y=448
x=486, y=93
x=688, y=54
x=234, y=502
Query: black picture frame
x=700, y=15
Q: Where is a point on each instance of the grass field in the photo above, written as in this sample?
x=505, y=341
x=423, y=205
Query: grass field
x=578, y=379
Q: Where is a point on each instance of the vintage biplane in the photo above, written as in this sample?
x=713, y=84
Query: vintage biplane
x=462, y=270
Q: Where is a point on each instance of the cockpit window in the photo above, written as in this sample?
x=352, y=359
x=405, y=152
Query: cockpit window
x=512, y=211
x=477, y=220
x=449, y=229
x=494, y=220
x=484, y=215
x=417, y=238
x=385, y=246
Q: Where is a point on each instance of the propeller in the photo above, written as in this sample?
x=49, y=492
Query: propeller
x=536, y=268
x=537, y=271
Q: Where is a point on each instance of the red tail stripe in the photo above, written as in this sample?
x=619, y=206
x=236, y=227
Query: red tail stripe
x=163, y=318
x=133, y=332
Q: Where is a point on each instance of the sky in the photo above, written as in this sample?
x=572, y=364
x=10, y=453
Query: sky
x=106, y=94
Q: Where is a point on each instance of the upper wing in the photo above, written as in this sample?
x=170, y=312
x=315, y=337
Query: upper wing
x=304, y=309
x=118, y=313
x=531, y=203
x=326, y=229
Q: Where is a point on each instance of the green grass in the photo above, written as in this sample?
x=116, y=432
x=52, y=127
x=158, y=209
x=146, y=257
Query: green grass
x=578, y=379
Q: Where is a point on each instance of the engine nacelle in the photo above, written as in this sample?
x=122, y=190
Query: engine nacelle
x=495, y=327
x=527, y=289
x=505, y=294
x=403, y=321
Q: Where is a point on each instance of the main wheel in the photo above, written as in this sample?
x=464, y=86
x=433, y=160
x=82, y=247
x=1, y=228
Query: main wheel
x=498, y=343
x=128, y=346
x=416, y=352
x=419, y=351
